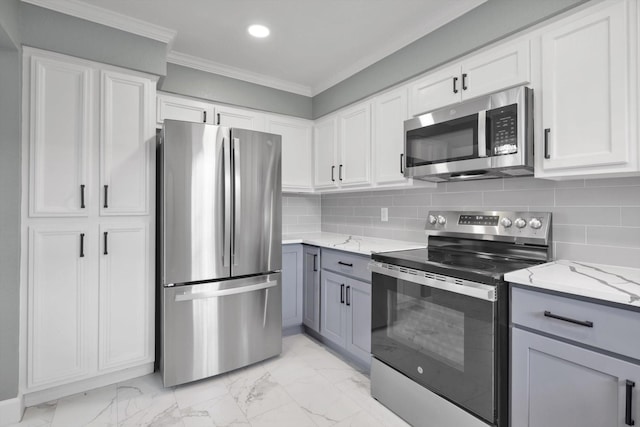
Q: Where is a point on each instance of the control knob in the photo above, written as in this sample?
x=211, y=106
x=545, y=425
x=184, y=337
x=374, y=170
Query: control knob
x=535, y=223
x=442, y=220
x=506, y=222
x=432, y=220
x=520, y=223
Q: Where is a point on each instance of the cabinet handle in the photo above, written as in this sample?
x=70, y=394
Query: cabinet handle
x=464, y=81
x=218, y=116
x=402, y=163
x=348, y=298
x=546, y=143
x=106, y=196
x=315, y=262
x=81, y=245
x=332, y=169
x=586, y=323
x=340, y=173
x=346, y=264
x=627, y=413
x=204, y=117
x=105, y=234
x=455, y=81
x=342, y=294
x=82, y=196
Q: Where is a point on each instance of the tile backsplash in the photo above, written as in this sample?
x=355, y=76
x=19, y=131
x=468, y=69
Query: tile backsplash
x=593, y=220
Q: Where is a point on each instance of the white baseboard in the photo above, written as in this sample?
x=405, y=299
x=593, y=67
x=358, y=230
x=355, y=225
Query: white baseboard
x=11, y=410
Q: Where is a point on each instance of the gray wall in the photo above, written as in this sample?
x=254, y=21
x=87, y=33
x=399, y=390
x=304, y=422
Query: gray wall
x=593, y=220
x=300, y=213
x=49, y=30
x=213, y=87
x=489, y=22
x=9, y=32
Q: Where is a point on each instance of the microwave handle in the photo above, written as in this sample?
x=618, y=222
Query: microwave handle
x=482, y=133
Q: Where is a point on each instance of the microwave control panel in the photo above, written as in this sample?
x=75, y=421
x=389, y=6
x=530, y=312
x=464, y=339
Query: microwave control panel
x=503, y=128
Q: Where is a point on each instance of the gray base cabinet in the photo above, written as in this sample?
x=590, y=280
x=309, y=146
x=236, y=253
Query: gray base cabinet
x=311, y=287
x=292, y=277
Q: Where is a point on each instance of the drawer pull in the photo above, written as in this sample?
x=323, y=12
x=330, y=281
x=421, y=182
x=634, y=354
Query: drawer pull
x=627, y=413
x=586, y=323
x=346, y=264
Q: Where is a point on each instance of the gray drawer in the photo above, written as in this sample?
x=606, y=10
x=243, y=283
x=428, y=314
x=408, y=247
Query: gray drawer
x=346, y=263
x=614, y=329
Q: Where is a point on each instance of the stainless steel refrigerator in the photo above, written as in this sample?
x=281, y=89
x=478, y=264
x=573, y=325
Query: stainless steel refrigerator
x=220, y=251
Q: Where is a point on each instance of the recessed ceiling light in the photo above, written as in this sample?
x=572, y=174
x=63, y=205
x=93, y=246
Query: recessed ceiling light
x=259, y=31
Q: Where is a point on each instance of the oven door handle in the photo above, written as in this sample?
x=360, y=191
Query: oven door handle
x=457, y=286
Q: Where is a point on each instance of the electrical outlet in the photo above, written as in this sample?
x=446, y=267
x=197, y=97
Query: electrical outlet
x=384, y=214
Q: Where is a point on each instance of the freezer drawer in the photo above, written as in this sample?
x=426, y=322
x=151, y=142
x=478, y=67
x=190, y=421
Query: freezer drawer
x=216, y=327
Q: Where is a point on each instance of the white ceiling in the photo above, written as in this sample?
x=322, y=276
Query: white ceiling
x=313, y=45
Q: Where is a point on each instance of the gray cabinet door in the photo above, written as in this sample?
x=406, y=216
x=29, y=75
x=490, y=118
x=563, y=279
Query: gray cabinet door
x=332, y=317
x=358, y=302
x=311, y=287
x=559, y=384
x=291, y=285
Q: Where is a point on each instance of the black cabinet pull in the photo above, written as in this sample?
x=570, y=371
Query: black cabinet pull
x=586, y=323
x=340, y=173
x=464, y=81
x=106, y=196
x=348, y=298
x=218, y=118
x=546, y=143
x=332, y=169
x=455, y=81
x=627, y=412
x=105, y=243
x=346, y=264
x=82, y=196
x=342, y=294
x=402, y=163
x=204, y=117
x=315, y=262
x=81, y=245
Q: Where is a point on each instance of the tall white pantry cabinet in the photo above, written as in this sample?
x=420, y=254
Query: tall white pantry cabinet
x=88, y=223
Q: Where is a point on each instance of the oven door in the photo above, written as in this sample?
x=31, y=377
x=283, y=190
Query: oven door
x=440, y=334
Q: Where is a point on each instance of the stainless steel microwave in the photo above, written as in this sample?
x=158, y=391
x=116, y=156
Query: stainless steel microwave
x=487, y=137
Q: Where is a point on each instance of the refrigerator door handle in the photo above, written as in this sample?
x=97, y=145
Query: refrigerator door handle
x=225, y=292
x=226, y=209
x=237, y=197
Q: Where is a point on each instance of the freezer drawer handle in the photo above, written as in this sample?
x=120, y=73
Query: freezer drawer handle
x=226, y=292
x=627, y=413
x=586, y=323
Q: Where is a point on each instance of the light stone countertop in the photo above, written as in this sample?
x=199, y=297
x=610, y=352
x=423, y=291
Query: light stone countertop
x=603, y=282
x=354, y=244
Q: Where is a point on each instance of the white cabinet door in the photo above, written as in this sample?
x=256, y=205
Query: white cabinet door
x=390, y=114
x=586, y=95
x=496, y=69
x=240, y=118
x=127, y=139
x=61, y=134
x=297, y=151
x=126, y=295
x=185, y=109
x=436, y=90
x=325, y=141
x=61, y=303
x=355, y=145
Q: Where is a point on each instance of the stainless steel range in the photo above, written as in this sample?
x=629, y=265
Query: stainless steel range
x=440, y=338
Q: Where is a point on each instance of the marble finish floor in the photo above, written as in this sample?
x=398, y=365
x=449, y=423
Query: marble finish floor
x=306, y=386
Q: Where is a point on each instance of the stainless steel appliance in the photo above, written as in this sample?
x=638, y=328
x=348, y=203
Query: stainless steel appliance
x=220, y=249
x=440, y=317
x=487, y=137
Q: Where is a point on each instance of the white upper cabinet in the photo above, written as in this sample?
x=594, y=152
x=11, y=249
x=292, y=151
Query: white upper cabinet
x=495, y=69
x=240, y=118
x=127, y=139
x=588, y=110
x=325, y=141
x=354, y=165
x=62, y=126
x=297, y=151
x=388, y=136
x=185, y=109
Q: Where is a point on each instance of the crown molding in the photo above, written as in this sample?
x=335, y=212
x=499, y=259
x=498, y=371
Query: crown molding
x=108, y=18
x=236, y=73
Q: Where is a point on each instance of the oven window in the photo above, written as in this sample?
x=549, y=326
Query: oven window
x=442, y=340
x=443, y=142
